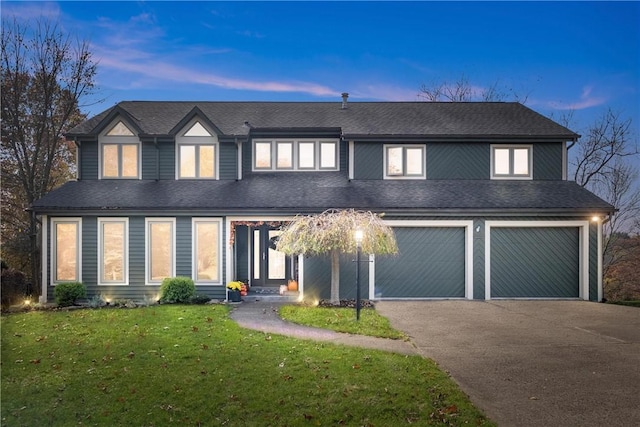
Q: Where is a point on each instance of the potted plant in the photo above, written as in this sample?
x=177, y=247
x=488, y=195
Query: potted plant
x=233, y=291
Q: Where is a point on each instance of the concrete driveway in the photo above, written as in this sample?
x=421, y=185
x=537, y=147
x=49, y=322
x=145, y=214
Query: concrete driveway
x=533, y=363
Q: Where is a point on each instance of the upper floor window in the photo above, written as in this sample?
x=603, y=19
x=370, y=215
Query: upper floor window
x=196, y=152
x=404, y=162
x=120, y=153
x=511, y=162
x=299, y=155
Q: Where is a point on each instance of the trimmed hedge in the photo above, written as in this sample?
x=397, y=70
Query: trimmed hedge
x=67, y=293
x=177, y=290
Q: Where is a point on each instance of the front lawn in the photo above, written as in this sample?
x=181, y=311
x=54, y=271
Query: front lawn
x=342, y=319
x=192, y=365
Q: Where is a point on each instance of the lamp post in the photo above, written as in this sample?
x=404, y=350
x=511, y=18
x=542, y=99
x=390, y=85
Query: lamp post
x=358, y=237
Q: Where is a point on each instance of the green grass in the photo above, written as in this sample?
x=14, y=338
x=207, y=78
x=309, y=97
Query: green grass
x=342, y=319
x=192, y=365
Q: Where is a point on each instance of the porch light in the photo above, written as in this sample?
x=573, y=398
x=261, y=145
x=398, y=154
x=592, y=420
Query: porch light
x=595, y=218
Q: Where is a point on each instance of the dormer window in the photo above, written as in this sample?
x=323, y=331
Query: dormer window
x=295, y=155
x=511, y=162
x=196, y=153
x=120, y=153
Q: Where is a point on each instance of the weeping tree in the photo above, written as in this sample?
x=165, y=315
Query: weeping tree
x=333, y=232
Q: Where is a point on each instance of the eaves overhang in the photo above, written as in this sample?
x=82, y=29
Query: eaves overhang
x=457, y=138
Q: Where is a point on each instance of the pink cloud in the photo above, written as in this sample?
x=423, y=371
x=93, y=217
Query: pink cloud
x=587, y=100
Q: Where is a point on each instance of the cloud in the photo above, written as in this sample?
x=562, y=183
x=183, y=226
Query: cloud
x=587, y=100
x=384, y=92
x=28, y=11
x=145, y=65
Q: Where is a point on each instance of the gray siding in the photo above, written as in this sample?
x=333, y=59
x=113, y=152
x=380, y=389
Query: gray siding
x=183, y=246
x=547, y=161
x=430, y=264
x=228, y=160
x=90, y=253
x=368, y=160
x=242, y=253
x=89, y=160
x=540, y=262
x=458, y=161
x=167, y=156
x=149, y=161
x=317, y=277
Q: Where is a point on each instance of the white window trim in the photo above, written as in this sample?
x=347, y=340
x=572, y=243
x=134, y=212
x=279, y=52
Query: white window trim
x=198, y=141
x=104, y=139
x=511, y=147
x=296, y=155
x=194, y=252
x=54, y=261
x=404, y=147
x=147, y=246
x=583, y=227
x=125, y=276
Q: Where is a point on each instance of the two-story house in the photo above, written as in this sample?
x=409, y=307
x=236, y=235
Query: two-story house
x=477, y=194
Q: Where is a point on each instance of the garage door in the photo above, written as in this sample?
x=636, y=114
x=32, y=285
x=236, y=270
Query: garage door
x=430, y=264
x=535, y=262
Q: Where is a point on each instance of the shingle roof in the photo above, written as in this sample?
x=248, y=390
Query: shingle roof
x=359, y=119
x=313, y=192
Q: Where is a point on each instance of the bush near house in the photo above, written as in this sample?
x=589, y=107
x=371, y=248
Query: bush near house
x=622, y=281
x=14, y=286
x=177, y=290
x=67, y=294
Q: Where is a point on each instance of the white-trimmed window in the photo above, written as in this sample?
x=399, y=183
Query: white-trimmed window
x=113, y=251
x=160, y=249
x=404, y=161
x=295, y=155
x=207, y=250
x=66, y=250
x=119, y=153
x=511, y=162
x=197, y=151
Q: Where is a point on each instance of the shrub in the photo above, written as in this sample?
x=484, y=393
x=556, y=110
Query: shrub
x=199, y=299
x=14, y=286
x=177, y=290
x=97, y=301
x=66, y=294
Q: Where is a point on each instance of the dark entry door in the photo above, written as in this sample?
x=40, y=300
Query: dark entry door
x=268, y=266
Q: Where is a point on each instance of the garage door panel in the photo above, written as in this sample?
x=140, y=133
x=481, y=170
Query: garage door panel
x=535, y=262
x=430, y=264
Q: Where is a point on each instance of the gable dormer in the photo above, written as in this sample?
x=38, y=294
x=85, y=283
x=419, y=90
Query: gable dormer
x=119, y=151
x=197, y=151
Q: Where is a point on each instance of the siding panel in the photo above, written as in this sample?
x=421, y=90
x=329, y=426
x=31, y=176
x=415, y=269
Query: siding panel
x=535, y=262
x=368, y=161
x=547, y=161
x=458, y=161
x=89, y=160
x=228, y=160
x=431, y=264
x=317, y=277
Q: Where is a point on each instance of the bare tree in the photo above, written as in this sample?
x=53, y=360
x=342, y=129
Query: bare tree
x=43, y=77
x=462, y=90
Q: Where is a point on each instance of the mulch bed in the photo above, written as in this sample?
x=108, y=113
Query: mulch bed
x=350, y=303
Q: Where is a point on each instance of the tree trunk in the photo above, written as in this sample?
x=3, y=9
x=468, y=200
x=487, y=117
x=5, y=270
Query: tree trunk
x=335, y=277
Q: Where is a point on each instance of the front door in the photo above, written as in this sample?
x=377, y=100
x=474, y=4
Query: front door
x=268, y=266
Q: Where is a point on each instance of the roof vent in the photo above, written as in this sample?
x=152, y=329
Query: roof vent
x=345, y=96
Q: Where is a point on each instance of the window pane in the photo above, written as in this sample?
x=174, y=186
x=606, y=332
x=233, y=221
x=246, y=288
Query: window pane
x=394, y=161
x=285, y=155
x=161, y=250
x=328, y=155
x=110, y=161
x=276, y=259
x=414, y=161
x=207, y=251
x=521, y=161
x=130, y=161
x=113, y=251
x=187, y=161
x=207, y=161
x=306, y=154
x=256, y=254
x=263, y=155
x=66, y=252
x=501, y=161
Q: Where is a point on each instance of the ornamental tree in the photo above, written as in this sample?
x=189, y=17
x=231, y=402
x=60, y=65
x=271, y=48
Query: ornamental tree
x=333, y=232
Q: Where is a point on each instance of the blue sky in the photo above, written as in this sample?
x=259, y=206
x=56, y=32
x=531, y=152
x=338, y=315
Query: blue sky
x=582, y=56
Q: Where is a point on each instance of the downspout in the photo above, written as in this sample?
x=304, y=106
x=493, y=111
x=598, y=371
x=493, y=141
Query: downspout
x=565, y=164
x=77, y=144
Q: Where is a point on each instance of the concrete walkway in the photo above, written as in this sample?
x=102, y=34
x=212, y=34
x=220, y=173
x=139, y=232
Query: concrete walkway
x=262, y=315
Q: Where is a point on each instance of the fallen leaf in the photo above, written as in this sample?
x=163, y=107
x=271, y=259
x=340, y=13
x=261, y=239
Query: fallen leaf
x=35, y=361
x=356, y=366
x=131, y=355
x=194, y=328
